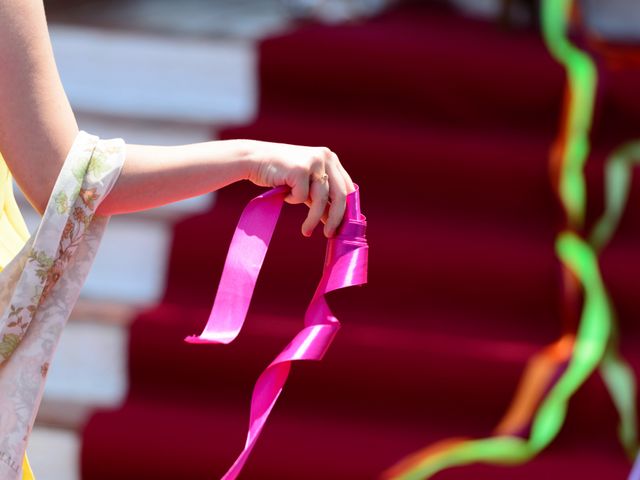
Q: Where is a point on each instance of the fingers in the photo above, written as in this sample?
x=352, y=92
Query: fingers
x=324, y=187
x=347, y=178
x=325, y=215
x=319, y=196
x=339, y=185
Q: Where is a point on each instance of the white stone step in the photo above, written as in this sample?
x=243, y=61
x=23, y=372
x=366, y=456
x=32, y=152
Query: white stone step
x=89, y=371
x=137, y=75
x=90, y=365
x=131, y=262
x=54, y=454
x=248, y=19
x=142, y=76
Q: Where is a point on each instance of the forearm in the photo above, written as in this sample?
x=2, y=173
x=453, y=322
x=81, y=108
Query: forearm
x=38, y=127
x=154, y=176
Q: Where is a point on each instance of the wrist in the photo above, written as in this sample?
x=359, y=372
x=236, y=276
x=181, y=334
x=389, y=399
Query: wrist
x=246, y=158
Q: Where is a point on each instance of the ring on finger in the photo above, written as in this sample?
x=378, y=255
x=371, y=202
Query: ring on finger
x=321, y=178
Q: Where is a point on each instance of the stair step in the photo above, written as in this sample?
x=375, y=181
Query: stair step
x=490, y=173
x=90, y=365
x=297, y=442
x=419, y=61
x=210, y=19
x=477, y=269
x=187, y=92
x=433, y=261
x=365, y=363
x=89, y=368
x=54, y=453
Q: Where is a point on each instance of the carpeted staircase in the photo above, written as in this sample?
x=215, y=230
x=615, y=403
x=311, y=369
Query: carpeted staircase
x=446, y=123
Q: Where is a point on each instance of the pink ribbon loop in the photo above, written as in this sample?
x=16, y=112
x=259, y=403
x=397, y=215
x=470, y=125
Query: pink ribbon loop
x=241, y=268
x=345, y=266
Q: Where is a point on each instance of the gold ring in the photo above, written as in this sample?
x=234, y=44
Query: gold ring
x=322, y=178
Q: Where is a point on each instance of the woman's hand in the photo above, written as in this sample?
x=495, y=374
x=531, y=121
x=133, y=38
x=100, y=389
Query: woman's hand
x=314, y=174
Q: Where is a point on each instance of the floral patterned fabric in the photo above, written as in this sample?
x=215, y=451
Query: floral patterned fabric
x=40, y=286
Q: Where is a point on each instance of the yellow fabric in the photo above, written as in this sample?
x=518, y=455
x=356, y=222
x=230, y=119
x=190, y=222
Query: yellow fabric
x=13, y=231
x=27, y=474
x=13, y=236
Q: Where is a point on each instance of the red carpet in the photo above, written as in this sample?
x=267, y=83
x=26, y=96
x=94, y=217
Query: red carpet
x=446, y=123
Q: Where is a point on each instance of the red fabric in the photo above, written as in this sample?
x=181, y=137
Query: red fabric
x=460, y=116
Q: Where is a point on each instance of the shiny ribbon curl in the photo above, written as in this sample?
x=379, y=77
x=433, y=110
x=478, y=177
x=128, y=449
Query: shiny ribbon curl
x=616, y=373
x=345, y=266
x=541, y=402
x=582, y=79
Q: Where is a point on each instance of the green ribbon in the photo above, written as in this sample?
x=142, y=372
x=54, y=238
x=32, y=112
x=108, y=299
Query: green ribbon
x=618, y=170
x=590, y=347
x=616, y=373
x=582, y=77
x=596, y=342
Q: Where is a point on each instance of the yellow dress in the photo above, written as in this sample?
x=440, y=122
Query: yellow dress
x=13, y=231
x=13, y=236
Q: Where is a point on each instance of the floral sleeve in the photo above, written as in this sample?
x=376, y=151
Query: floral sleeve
x=40, y=286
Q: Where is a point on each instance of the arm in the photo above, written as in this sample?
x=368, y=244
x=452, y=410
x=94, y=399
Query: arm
x=37, y=128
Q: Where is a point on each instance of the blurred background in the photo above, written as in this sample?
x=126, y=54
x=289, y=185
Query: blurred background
x=445, y=113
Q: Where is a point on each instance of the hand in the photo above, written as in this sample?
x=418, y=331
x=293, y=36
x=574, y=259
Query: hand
x=314, y=174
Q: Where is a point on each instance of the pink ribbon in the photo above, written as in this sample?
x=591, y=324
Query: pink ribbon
x=345, y=266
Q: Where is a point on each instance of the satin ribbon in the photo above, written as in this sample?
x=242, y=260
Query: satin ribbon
x=572, y=147
x=345, y=266
x=617, y=374
x=555, y=374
